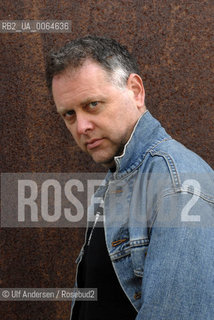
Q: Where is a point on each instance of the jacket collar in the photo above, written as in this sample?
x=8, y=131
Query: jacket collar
x=146, y=134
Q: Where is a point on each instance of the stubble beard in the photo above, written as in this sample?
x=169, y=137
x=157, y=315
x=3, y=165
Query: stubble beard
x=110, y=162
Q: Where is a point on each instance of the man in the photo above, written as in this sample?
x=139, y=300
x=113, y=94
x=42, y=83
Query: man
x=154, y=258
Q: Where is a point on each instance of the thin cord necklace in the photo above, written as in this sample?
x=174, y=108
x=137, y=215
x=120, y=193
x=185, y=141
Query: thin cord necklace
x=98, y=214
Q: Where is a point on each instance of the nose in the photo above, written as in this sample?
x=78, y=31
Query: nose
x=83, y=124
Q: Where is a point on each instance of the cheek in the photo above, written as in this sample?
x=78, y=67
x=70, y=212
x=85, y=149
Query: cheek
x=71, y=129
x=73, y=132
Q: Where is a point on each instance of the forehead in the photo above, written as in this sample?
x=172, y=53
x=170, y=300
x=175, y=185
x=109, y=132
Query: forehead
x=90, y=78
x=89, y=71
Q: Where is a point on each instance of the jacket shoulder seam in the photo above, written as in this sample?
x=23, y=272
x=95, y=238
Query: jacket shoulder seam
x=171, y=166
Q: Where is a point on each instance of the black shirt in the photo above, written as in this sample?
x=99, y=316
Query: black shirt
x=96, y=271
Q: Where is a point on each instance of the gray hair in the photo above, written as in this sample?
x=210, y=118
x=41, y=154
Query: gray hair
x=111, y=55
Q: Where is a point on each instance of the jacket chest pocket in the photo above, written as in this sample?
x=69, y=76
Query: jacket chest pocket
x=138, y=256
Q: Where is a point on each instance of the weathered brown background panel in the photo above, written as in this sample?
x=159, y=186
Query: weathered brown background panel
x=172, y=41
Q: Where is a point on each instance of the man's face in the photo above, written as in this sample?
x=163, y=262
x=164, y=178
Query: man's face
x=99, y=115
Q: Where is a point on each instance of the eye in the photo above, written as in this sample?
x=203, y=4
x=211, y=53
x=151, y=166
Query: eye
x=69, y=114
x=93, y=104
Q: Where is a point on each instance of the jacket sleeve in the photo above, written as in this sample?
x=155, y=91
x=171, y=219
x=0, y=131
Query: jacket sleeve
x=178, y=279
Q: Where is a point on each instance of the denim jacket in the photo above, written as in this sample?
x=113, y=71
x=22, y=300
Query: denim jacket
x=158, y=221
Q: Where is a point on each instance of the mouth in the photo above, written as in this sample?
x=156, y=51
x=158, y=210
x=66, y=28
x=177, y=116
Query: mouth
x=93, y=143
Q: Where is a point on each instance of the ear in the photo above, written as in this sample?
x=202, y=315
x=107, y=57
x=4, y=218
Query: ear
x=135, y=84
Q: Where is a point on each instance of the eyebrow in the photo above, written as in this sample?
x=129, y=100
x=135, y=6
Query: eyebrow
x=61, y=111
x=83, y=103
x=92, y=99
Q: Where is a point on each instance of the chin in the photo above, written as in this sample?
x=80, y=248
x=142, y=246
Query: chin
x=105, y=162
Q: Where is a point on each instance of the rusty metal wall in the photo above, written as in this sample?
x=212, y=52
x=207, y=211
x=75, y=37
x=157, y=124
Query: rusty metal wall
x=172, y=41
